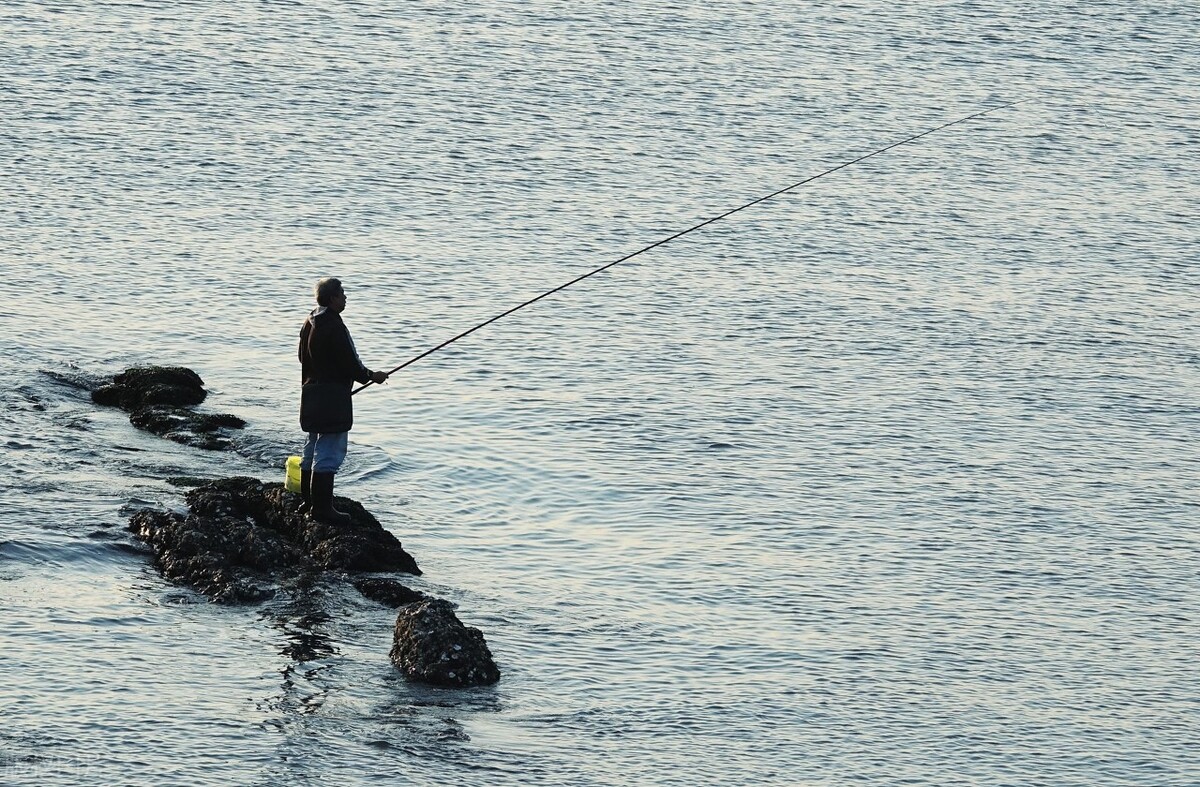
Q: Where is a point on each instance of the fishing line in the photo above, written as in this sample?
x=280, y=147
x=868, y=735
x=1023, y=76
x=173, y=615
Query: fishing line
x=680, y=234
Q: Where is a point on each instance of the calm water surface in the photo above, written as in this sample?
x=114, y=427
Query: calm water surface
x=891, y=480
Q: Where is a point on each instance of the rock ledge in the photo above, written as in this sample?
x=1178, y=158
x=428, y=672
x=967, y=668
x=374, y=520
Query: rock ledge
x=241, y=535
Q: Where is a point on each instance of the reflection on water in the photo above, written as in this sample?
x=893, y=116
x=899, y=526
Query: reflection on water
x=886, y=480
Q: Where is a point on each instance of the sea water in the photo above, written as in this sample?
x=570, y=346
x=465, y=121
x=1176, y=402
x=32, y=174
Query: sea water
x=889, y=480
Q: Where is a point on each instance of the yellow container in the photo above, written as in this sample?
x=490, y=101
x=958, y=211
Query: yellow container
x=291, y=481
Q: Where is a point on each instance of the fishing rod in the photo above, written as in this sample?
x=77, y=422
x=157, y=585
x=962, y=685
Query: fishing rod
x=681, y=233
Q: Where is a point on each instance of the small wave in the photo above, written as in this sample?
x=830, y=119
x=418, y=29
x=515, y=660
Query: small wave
x=58, y=554
x=76, y=378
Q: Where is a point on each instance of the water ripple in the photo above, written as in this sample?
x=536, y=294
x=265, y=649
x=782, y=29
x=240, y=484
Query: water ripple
x=886, y=480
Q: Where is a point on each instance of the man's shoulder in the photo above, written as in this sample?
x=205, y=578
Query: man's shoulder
x=326, y=320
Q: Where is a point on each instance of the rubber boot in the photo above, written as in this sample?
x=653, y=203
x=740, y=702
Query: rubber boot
x=322, y=501
x=305, y=490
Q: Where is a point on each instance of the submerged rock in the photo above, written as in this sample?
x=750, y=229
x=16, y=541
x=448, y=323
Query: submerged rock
x=241, y=537
x=430, y=644
x=159, y=400
x=200, y=430
x=388, y=591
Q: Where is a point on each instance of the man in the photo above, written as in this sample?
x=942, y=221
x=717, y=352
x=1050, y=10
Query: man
x=329, y=367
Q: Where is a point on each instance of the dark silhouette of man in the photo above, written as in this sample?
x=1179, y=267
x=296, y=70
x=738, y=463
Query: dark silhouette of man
x=329, y=367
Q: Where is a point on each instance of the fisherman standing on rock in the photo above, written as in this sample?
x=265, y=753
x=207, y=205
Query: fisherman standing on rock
x=329, y=365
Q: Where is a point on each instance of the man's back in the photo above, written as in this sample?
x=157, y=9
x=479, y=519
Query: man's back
x=327, y=352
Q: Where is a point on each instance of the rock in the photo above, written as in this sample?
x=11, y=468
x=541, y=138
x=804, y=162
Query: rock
x=431, y=645
x=159, y=400
x=161, y=419
x=388, y=591
x=219, y=558
x=140, y=386
x=241, y=536
x=200, y=430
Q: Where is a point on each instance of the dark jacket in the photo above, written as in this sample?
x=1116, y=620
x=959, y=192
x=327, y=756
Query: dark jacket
x=329, y=367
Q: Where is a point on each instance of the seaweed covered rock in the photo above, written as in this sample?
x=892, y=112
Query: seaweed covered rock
x=159, y=400
x=241, y=536
x=431, y=645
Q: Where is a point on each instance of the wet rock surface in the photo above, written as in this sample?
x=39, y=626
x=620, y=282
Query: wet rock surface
x=242, y=538
x=159, y=400
x=389, y=592
x=431, y=645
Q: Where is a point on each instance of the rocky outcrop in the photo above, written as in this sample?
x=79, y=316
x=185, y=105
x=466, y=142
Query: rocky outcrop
x=242, y=538
x=431, y=645
x=159, y=399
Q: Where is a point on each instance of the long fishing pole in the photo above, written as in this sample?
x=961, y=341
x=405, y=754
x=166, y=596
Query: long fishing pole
x=680, y=234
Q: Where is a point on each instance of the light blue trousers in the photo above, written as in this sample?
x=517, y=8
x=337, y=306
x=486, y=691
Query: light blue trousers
x=325, y=452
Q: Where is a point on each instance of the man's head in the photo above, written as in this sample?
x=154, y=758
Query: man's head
x=330, y=294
